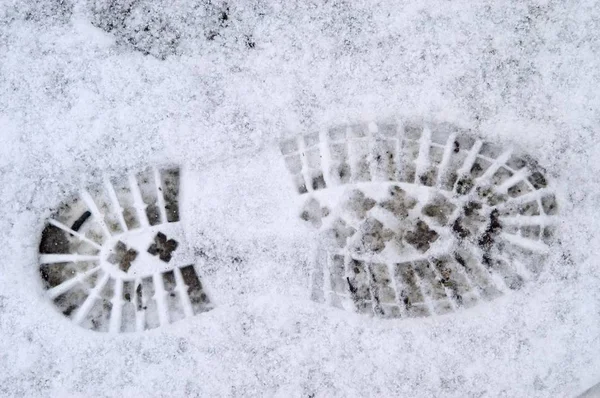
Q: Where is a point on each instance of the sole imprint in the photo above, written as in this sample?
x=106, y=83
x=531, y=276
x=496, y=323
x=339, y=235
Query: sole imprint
x=418, y=219
x=114, y=259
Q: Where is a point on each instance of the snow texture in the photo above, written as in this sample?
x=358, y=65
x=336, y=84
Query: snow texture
x=104, y=87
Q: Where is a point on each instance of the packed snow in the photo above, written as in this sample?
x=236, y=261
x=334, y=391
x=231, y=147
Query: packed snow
x=88, y=90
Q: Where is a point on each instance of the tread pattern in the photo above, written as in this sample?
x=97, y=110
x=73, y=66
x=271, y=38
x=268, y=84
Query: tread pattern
x=114, y=258
x=417, y=219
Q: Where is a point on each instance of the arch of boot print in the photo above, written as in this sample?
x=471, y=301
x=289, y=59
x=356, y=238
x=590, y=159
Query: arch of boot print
x=115, y=259
x=417, y=219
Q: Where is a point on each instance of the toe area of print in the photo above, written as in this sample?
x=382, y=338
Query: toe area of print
x=433, y=218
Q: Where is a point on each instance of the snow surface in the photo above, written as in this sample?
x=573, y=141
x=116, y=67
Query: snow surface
x=76, y=102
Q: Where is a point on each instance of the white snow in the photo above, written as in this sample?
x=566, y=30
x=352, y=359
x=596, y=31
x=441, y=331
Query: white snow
x=75, y=103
